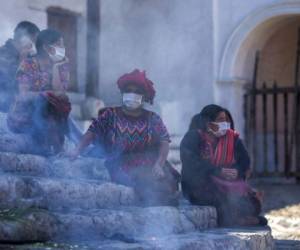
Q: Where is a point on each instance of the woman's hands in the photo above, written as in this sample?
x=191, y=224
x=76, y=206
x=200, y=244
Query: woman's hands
x=57, y=64
x=86, y=140
x=229, y=173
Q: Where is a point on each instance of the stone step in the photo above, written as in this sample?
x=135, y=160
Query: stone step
x=3, y=123
x=27, y=225
x=216, y=239
x=58, y=194
x=235, y=239
x=287, y=244
x=130, y=224
x=135, y=222
x=17, y=143
x=60, y=167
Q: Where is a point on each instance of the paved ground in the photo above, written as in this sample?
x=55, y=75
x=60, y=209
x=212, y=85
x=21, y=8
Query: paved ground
x=282, y=208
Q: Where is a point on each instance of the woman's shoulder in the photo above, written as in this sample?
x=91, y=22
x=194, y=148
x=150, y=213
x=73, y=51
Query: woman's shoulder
x=193, y=133
x=153, y=115
x=192, y=136
x=107, y=111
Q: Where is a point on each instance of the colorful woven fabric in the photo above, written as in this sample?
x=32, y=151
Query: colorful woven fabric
x=129, y=142
x=223, y=153
x=30, y=73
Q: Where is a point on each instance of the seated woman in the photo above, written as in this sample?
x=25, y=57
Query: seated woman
x=135, y=142
x=214, y=167
x=42, y=107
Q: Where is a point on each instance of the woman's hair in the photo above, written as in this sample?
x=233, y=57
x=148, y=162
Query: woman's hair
x=228, y=114
x=208, y=114
x=46, y=37
x=25, y=28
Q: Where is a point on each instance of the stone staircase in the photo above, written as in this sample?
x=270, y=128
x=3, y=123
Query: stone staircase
x=54, y=203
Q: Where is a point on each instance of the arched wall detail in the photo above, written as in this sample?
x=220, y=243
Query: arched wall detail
x=269, y=15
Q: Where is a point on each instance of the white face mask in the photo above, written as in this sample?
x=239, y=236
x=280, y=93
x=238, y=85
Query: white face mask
x=223, y=127
x=28, y=46
x=59, y=55
x=132, y=100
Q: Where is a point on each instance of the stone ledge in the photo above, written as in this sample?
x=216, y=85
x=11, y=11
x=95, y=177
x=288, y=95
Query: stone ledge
x=58, y=194
x=34, y=165
x=27, y=225
x=216, y=239
x=135, y=222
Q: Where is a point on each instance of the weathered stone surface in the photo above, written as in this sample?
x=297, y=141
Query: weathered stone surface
x=34, y=165
x=3, y=123
x=19, y=226
x=24, y=164
x=216, y=239
x=18, y=143
x=135, y=222
x=287, y=244
x=85, y=168
x=18, y=191
x=103, y=245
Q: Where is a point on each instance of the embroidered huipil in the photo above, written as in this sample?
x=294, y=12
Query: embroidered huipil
x=129, y=142
x=31, y=74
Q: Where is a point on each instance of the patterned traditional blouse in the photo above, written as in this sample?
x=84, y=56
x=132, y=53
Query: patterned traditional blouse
x=30, y=73
x=129, y=141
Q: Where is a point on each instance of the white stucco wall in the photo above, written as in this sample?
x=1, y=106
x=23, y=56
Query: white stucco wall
x=241, y=27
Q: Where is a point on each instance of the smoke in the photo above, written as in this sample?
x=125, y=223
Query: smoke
x=169, y=40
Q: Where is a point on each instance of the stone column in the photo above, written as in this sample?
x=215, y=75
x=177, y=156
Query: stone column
x=93, y=45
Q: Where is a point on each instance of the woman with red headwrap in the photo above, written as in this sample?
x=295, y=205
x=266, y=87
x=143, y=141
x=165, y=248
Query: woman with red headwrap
x=135, y=142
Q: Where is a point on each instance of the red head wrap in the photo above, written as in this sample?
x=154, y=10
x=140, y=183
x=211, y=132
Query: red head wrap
x=139, y=79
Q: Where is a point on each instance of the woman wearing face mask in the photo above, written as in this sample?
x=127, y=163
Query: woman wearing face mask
x=42, y=103
x=214, y=165
x=136, y=143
